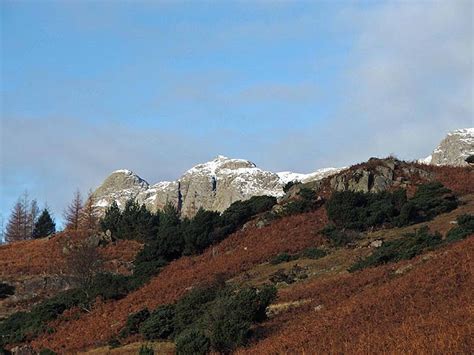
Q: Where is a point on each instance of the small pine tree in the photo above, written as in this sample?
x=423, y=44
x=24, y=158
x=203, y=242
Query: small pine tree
x=111, y=219
x=73, y=212
x=44, y=226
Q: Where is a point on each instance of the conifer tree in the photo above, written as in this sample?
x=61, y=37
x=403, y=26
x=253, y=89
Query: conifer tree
x=111, y=220
x=73, y=212
x=44, y=226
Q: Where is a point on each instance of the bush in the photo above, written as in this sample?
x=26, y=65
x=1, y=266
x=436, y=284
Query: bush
x=160, y=323
x=360, y=211
x=313, y=253
x=470, y=159
x=134, y=322
x=464, y=228
x=109, y=286
x=407, y=247
x=6, y=290
x=339, y=237
x=146, y=350
x=282, y=258
x=192, y=341
x=47, y=352
x=306, y=202
x=429, y=201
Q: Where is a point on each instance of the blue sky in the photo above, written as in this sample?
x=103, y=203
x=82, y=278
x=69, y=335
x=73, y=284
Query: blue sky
x=88, y=87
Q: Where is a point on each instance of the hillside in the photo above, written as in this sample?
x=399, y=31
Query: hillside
x=319, y=304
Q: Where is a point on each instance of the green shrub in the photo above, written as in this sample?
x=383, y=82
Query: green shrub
x=464, y=228
x=339, y=237
x=429, y=201
x=360, y=211
x=282, y=258
x=4, y=351
x=47, y=352
x=470, y=159
x=146, y=350
x=306, y=202
x=313, y=253
x=109, y=286
x=160, y=323
x=134, y=322
x=407, y=247
x=6, y=290
x=192, y=341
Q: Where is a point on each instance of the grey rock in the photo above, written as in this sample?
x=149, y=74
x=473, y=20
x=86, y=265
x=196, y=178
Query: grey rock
x=453, y=149
x=214, y=186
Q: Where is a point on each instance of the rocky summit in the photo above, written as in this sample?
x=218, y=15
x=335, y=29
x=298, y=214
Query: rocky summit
x=214, y=185
x=453, y=149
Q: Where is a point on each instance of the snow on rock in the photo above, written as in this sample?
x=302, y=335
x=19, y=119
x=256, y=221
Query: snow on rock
x=213, y=185
x=454, y=148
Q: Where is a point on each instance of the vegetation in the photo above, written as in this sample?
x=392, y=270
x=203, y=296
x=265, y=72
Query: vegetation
x=464, y=228
x=307, y=201
x=146, y=350
x=339, y=237
x=216, y=317
x=44, y=226
x=6, y=290
x=360, y=211
x=470, y=159
x=411, y=245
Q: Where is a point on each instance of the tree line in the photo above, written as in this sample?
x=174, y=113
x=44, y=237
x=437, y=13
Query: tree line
x=27, y=221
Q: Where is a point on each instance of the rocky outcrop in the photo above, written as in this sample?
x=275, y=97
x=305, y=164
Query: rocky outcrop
x=214, y=185
x=377, y=175
x=454, y=149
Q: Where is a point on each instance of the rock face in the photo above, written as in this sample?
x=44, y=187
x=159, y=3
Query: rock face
x=214, y=185
x=377, y=175
x=454, y=149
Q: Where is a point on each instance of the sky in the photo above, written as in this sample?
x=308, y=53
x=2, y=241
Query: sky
x=88, y=87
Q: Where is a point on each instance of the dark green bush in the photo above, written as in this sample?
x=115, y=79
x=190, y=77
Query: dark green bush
x=339, y=237
x=429, y=201
x=464, y=228
x=313, y=253
x=134, y=322
x=160, y=323
x=6, y=290
x=407, y=247
x=306, y=202
x=360, y=211
x=47, y=352
x=197, y=233
x=109, y=286
x=192, y=341
x=282, y=258
x=470, y=159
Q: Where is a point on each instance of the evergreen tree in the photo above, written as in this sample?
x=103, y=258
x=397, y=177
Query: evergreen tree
x=44, y=226
x=112, y=219
x=73, y=212
x=170, y=241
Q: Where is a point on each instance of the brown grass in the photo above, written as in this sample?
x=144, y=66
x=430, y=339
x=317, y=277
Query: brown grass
x=427, y=310
x=238, y=253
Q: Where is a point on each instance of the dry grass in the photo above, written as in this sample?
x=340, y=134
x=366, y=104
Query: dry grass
x=238, y=253
x=426, y=310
